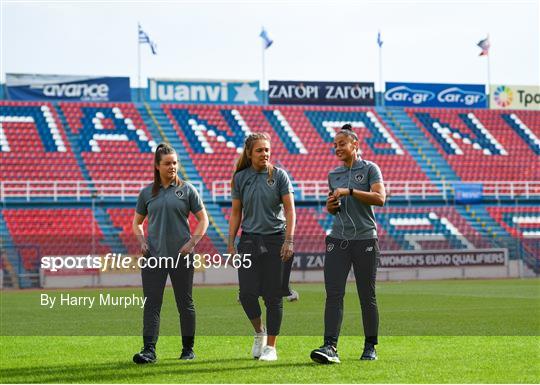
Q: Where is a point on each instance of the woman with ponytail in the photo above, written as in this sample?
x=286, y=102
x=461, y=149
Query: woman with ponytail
x=262, y=201
x=355, y=187
x=167, y=203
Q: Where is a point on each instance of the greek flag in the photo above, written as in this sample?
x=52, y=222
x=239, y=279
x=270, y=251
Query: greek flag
x=379, y=39
x=145, y=39
x=266, y=39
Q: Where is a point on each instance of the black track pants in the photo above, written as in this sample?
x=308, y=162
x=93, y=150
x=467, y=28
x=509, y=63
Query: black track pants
x=363, y=256
x=153, y=281
x=262, y=278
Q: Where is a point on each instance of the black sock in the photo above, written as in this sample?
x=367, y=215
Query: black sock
x=188, y=342
x=331, y=340
x=372, y=340
x=150, y=346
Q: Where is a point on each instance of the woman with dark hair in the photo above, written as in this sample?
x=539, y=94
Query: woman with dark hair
x=262, y=201
x=167, y=203
x=355, y=188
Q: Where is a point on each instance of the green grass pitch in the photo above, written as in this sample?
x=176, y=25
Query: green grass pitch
x=474, y=331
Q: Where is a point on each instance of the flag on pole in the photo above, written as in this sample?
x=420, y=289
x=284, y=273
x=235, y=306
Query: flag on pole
x=266, y=39
x=484, y=44
x=379, y=39
x=145, y=39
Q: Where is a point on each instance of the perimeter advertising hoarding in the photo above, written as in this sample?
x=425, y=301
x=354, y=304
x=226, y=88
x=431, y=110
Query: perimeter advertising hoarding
x=435, y=95
x=505, y=97
x=321, y=93
x=204, y=91
x=416, y=259
x=67, y=88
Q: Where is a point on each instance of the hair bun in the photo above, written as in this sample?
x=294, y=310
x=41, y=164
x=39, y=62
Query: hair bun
x=347, y=127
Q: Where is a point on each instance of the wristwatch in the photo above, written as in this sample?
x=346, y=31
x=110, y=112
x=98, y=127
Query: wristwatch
x=351, y=191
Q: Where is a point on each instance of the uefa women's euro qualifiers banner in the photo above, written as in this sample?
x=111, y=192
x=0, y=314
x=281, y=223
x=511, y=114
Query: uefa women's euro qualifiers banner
x=505, y=97
x=204, y=91
x=435, y=95
x=321, y=93
x=67, y=88
x=416, y=259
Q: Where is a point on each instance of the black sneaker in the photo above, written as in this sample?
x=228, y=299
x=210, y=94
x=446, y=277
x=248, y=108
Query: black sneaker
x=369, y=353
x=146, y=356
x=326, y=354
x=187, y=354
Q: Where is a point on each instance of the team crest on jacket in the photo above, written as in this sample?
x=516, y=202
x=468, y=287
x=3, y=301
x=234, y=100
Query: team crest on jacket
x=330, y=247
x=270, y=182
x=359, y=177
x=179, y=193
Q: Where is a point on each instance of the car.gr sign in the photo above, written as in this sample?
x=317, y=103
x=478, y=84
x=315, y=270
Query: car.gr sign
x=435, y=95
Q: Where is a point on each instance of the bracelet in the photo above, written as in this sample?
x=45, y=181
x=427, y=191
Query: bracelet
x=289, y=241
x=351, y=192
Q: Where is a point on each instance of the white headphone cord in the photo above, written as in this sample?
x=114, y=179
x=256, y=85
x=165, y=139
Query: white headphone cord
x=347, y=211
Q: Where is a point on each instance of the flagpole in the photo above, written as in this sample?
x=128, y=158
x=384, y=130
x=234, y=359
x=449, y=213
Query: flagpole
x=263, y=81
x=139, y=63
x=380, y=75
x=489, y=77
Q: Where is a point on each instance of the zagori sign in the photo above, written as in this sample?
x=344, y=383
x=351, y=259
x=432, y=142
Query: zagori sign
x=321, y=93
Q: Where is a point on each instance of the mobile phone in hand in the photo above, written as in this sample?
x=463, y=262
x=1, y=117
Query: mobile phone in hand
x=331, y=192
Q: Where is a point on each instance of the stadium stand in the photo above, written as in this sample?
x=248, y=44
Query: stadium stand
x=522, y=223
x=305, y=153
x=112, y=140
x=107, y=148
x=485, y=145
x=40, y=232
x=405, y=228
x=34, y=144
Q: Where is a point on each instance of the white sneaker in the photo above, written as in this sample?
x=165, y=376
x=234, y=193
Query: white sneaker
x=268, y=354
x=294, y=296
x=258, y=343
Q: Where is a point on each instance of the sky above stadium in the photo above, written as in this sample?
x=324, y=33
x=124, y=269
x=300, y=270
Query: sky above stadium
x=423, y=41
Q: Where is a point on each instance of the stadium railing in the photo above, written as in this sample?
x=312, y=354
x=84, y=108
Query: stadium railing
x=221, y=190
x=77, y=190
x=318, y=190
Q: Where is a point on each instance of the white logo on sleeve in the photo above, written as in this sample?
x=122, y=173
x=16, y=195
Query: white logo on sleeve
x=179, y=194
x=330, y=247
x=359, y=177
x=369, y=249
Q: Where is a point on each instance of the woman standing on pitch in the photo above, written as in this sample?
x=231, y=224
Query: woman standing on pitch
x=167, y=203
x=262, y=200
x=354, y=188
